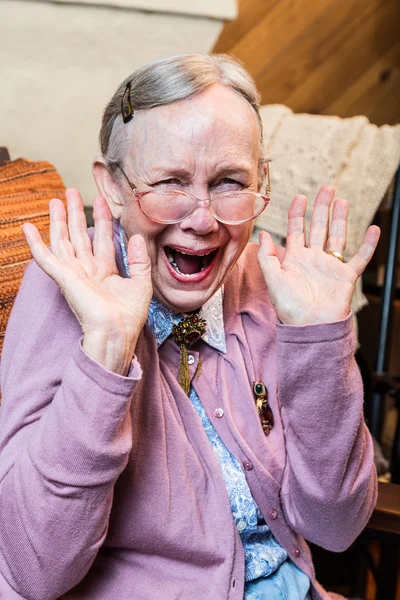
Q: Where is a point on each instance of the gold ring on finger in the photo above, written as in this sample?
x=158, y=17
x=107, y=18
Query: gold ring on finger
x=336, y=254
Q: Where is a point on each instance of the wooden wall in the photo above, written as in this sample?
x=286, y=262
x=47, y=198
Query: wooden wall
x=321, y=56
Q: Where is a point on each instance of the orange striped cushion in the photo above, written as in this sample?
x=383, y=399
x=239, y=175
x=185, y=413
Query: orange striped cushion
x=25, y=190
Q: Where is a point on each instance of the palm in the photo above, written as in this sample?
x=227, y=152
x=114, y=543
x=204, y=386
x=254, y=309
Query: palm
x=313, y=288
x=87, y=273
x=99, y=295
x=310, y=286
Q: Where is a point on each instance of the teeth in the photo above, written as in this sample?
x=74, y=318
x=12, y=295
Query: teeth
x=187, y=253
x=168, y=252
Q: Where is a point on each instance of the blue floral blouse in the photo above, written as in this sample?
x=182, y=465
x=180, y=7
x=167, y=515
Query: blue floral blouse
x=269, y=573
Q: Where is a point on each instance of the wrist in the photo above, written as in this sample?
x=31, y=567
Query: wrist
x=111, y=349
x=315, y=317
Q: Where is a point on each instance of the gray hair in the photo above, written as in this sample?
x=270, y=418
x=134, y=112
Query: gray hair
x=169, y=80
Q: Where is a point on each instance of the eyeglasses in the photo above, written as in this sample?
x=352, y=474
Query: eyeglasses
x=173, y=206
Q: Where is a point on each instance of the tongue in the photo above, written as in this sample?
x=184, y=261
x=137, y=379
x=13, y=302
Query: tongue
x=188, y=264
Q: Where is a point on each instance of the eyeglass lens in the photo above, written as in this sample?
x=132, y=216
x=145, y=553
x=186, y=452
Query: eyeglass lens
x=175, y=206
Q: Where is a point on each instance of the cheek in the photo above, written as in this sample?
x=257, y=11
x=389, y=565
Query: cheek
x=240, y=235
x=134, y=221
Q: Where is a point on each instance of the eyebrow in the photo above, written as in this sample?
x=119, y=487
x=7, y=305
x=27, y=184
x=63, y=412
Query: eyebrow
x=224, y=170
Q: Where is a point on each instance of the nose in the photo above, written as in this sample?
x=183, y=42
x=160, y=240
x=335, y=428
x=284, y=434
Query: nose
x=201, y=221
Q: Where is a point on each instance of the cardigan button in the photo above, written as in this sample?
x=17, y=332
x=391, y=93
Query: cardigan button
x=241, y=526
x=272, y=513
x=191, y=359
x=248, y=465
x=219, y=413
x=296, y=552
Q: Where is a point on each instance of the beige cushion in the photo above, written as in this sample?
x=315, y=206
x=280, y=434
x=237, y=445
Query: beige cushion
x=308, y=151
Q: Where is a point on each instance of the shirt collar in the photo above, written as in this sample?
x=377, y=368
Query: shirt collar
x=160, y=318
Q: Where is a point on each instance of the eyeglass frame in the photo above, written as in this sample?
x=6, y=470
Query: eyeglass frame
x=197, y=201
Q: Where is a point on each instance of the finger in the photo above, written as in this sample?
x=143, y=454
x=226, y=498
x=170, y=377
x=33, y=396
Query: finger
x=338, y=228
x=138, y=258
x=77, y=225
x=59, y=237
x=46, y=260
x=320, y=217
x=296, y=228
x=267, y=258
x=366, y=251
x=103, y=245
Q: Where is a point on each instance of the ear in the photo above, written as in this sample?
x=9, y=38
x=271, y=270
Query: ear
x=263, y=176
x=107, y=186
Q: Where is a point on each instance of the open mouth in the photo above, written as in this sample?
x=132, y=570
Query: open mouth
x=188, y=264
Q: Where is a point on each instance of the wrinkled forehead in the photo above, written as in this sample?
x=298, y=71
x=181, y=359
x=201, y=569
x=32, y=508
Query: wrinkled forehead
x=214, y=126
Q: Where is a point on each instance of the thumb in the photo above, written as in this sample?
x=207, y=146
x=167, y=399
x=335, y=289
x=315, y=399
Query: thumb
x=138, y=257
x=267, y=258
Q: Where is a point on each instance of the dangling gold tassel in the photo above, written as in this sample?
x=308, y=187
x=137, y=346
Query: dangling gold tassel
x=184, y=374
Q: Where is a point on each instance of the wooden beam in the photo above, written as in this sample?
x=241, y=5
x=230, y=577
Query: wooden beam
x=379, y=31
x=279, y=27
x=375, y=93
x=251, y=12
x=312, y=48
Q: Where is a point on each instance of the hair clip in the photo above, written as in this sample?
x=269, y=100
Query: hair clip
x=126, y=104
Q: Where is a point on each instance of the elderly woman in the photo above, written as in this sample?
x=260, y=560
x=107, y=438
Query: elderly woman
x=177, y=416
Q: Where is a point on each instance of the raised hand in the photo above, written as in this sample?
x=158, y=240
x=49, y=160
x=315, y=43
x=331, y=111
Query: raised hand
x=310, y=286
x=110, y=309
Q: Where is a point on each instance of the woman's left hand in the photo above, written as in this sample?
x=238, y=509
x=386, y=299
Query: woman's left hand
x=309, y=286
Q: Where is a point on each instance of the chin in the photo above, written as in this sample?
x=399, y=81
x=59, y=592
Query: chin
x=185, y=300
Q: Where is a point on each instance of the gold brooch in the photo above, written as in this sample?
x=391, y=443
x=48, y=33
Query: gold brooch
x=263, y=408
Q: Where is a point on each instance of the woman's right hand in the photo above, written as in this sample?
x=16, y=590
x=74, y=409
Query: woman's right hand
x=110, y=309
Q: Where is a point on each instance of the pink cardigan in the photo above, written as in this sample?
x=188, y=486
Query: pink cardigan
x=109, y=486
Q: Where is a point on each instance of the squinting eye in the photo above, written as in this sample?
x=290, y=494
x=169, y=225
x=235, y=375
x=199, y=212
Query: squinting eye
x=228, y=182
x=171, y=181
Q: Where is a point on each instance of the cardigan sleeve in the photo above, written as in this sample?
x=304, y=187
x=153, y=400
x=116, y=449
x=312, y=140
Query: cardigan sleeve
x=329, y=484
x=65, y=437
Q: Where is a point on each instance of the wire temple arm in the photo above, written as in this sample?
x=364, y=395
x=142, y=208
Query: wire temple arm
x=126, y=104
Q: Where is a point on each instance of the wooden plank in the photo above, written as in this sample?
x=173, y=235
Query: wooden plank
x=366, y=43
x=375, y=94
x=386, y=515
x=388, y=110
x=276, y=30
x=250, y=13
x=312, y=48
